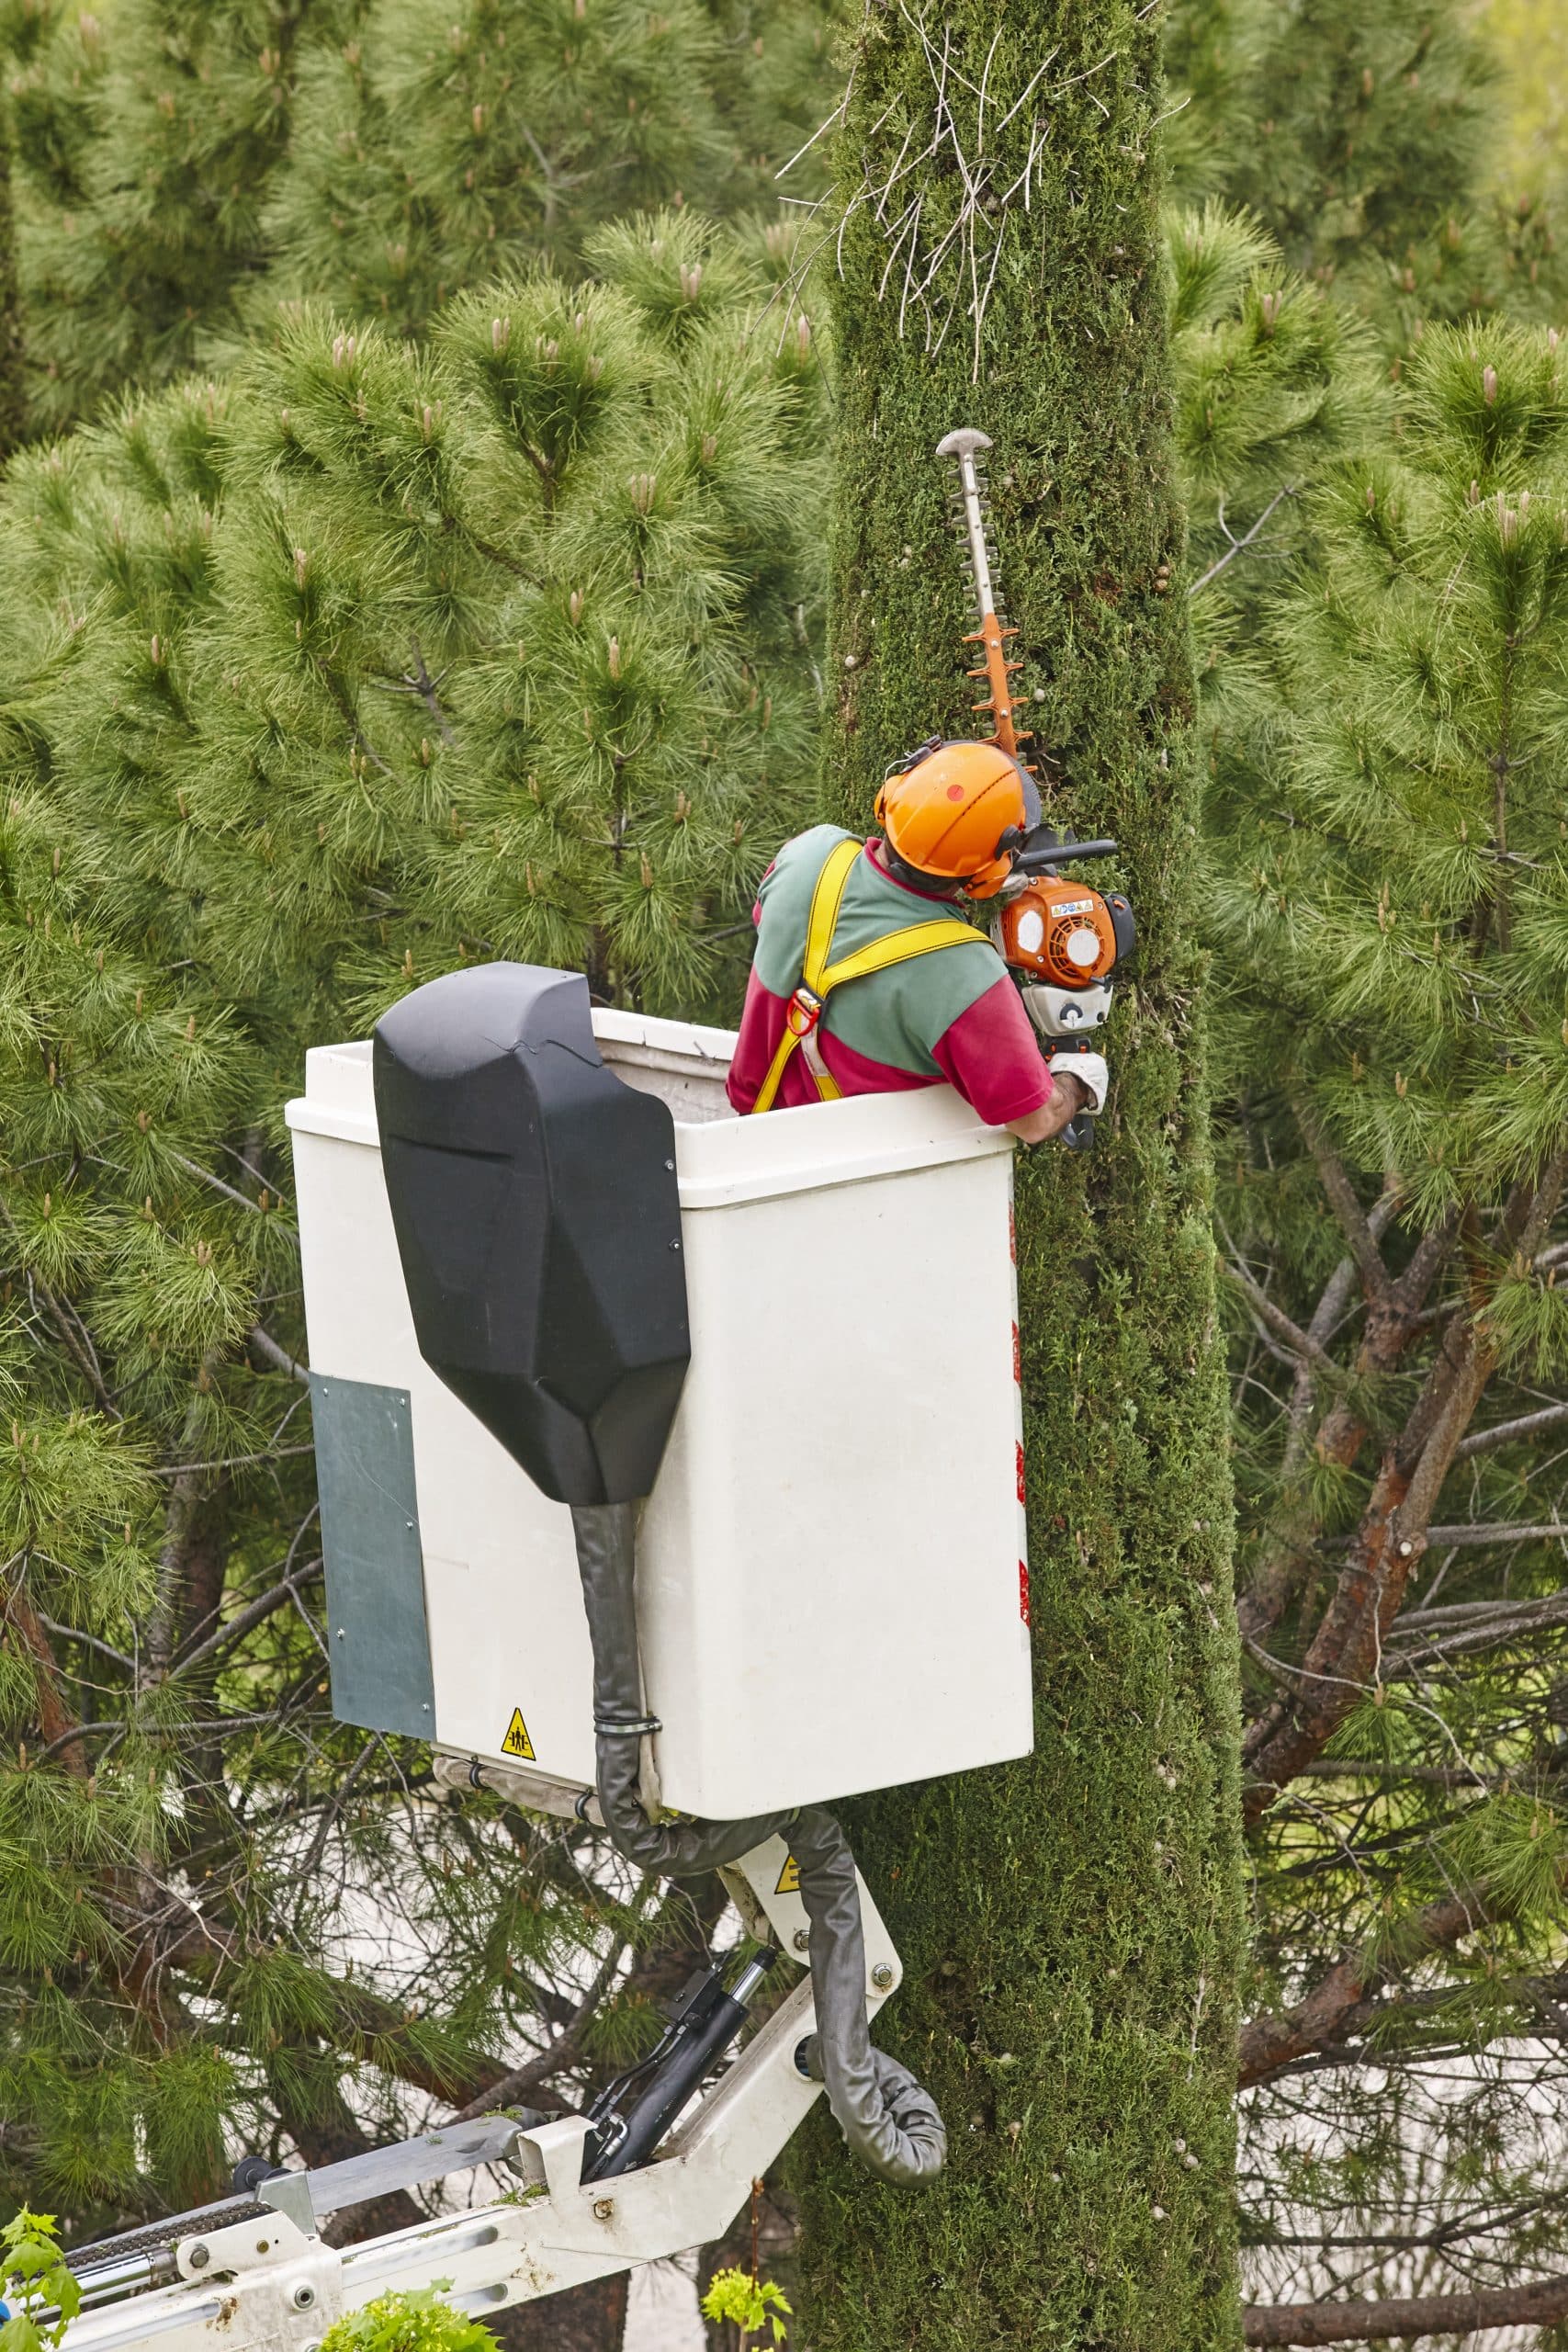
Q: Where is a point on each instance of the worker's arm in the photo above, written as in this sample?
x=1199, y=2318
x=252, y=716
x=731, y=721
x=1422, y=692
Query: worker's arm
x=1069, y=1095
x=992, y=1055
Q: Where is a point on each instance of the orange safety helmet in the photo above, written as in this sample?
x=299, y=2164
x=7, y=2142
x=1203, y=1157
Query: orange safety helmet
x=957, y=812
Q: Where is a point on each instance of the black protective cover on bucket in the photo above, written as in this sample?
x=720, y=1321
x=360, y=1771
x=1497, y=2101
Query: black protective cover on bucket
x=535, y=1202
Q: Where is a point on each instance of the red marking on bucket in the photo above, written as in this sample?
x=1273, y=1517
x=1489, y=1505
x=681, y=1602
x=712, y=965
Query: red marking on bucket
x=1023, y=1590
x=1021, y=1496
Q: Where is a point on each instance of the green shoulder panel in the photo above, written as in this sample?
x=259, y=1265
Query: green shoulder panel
x=895, y=1016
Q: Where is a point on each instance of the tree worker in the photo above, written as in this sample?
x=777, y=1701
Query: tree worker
x=862, y=984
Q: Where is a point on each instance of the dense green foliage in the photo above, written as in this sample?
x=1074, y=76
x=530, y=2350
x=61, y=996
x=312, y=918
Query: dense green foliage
x=1376, y=551
x=418, y=2321
x=1069, y=1925
x=381, y=655
x=1368, y=138
x=443, y=617
x=1387, y=879
x=182, y=171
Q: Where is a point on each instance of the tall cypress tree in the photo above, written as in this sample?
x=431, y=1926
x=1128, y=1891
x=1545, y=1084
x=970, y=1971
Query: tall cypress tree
x=1070, y=1925
x=13, y=395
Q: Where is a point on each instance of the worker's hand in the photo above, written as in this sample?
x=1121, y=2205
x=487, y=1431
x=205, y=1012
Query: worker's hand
x=1091, y=1074
x=1069, y=1095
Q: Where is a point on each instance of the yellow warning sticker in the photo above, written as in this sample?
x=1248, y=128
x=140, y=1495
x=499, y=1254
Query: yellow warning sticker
x=518, y=1741
x=789, y=1877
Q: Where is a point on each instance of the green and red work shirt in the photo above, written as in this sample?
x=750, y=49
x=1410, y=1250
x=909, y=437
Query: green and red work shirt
x=953, y=1018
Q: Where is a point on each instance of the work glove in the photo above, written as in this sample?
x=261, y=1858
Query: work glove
x=1091, y=1073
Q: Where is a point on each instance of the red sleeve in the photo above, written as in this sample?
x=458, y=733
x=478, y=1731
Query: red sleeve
x=992, y=1056
x=762, y=1025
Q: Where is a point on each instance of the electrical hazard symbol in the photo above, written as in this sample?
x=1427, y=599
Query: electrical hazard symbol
x=518, y=1741
x=789, y=1877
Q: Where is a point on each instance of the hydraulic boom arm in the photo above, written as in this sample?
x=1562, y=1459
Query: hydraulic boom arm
x=254, y=2275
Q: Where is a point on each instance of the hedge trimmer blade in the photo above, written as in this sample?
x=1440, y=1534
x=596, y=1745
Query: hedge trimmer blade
x=966, y=448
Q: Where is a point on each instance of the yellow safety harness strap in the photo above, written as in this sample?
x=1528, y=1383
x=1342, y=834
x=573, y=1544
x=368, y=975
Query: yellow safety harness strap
x=819, y=977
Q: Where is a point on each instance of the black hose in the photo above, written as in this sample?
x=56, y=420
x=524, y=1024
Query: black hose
x=888, y=2118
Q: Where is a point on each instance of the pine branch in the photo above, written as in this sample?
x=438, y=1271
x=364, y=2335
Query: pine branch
x=1287, y=1545
x=61, y=1731
x=279, y=1357
x=1341, y=1195
x=376, y=2029
x=563, y=2052
x=1273, y=2041
x=1539, y=2304
x=1469, y=1535
x=181, y=1516
x=229, y=1192
x=1492, y=1627
x=1504, y=1432
x=1239, y=547
x=69, y=1326
x=1297, y=1342
x=1393, y=1535
x=233, y=1461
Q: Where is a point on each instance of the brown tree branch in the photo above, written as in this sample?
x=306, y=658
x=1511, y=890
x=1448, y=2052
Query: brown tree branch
x=1341, y=1193
x=1537, y=2304
x=60, y=1728
x=1391, y=1322
x=1276, y=2039
x=1504, y=1433
x=1290, y=1334
x=508, y=2088
x=1390, y=1541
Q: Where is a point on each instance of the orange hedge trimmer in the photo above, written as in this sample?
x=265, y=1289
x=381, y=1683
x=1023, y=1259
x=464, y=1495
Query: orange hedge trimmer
x=1062, y=940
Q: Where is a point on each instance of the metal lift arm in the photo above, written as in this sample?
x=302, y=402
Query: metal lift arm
x=267, y=2282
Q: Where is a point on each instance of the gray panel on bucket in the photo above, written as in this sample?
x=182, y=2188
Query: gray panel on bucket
x=377, y=1632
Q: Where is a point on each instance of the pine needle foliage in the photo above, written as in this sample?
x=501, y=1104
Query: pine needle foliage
x=1387, y=861
x=1374, y=143
x=183, y=172
x=378, y=654
x=1379, y=618
x=382, y=655
x=149, y=132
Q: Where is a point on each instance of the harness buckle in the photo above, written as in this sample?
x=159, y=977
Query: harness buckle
x=805, y=1011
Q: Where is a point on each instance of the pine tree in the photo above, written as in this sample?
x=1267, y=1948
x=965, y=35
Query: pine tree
x=183, y=172
x=1405, y=1874
x=439, y=144
x=1532, y=41
x=1388, y=872
x=1369, y=118
x=1070, y=1925
x=142, y=208
x=1372, y=144
x=378, y=655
